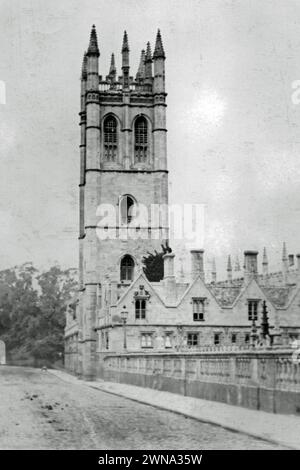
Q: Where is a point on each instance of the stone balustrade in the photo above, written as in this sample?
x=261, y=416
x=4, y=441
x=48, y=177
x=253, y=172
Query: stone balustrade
x=267, y=380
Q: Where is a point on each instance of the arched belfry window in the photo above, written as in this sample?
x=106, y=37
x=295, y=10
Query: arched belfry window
x=140, y=139
x=127, y=268
x=110, y=139
x=127, y=204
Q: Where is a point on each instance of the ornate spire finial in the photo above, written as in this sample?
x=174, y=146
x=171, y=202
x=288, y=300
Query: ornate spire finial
x=265, y=321
x=237, y=266
x=284, y=252
x=112, y=68
x=159, y=49
x=148, y=57
x=265, y=257
x=253, y=334
x=213, y=266
x=125, y=46
x=265, y=262
x=141, y=70
x=93, y=45
x=229, y=268
x=213, y=270
x=84, y=67
x=125, y=61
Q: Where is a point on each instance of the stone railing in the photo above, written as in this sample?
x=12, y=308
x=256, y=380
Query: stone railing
x=107, y=86
x=268, y=380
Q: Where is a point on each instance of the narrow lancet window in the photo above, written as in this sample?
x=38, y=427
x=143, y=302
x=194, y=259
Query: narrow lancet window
x=127, y=268
x=141, y=140
x=110, y=139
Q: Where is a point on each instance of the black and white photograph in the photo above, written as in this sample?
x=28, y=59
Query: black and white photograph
x=149, y=229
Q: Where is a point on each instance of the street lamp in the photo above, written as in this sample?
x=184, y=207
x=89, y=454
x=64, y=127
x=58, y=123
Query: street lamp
x=124, y=315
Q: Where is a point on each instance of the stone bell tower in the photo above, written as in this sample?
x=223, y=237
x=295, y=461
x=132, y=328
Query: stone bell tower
x=123, y=166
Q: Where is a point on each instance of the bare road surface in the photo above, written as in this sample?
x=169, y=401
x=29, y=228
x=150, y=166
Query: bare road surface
x=40, y=411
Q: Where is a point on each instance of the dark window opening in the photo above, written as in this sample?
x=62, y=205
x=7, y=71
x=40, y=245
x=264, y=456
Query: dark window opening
x=140, y=309
x=198, y=309
x=192, y=339
x=233, y=338
x=217, y=338
x=252, y=310
x=126, y=209
x=110, y=139
x=141, y=140
x=127, y=268
x=247, y=338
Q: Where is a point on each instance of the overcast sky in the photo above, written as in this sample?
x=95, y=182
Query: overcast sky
x=234, y=132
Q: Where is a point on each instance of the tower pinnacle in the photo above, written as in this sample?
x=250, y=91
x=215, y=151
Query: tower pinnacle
x=84, y=67
x=125, y=46
x=159, y=49
x=284, y=252
x=265, y=258
x=213, y=270
x=265, y=262
x=141, y=70
x=148, y=65
x=229, y=269
x=112, y=69
x=237, y=266
x=93, y=49
x=125, y=61
x=148, y=57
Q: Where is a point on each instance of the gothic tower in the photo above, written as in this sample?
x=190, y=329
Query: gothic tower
x=123, y=166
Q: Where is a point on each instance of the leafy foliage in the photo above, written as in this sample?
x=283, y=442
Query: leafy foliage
x=32, y=310
x=154, y=264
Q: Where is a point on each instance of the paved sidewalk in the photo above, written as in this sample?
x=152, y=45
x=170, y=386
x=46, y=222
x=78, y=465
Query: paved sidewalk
x=281, y=429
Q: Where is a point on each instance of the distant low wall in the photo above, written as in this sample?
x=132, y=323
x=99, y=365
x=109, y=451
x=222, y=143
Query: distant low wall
x=32, y=362
x=265, y=380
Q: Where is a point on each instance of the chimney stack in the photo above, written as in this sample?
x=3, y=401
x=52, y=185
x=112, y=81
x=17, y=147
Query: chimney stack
x=285, y=263
x=250, y=265
x=197, y=264
x=169, y=277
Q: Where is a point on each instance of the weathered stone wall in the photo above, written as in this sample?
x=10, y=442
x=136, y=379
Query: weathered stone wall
x=265, y=380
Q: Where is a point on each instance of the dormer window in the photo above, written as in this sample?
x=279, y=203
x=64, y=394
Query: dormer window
x=110, y=139
x=140, y=140
x=141, y=297
x=253, y=310
x=140, y=309
x=198, y=309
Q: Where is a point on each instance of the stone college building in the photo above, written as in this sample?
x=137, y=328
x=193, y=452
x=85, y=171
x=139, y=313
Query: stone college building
x=123, y=156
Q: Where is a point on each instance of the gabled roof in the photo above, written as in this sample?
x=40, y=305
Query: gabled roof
x=189, y=288
x=140, y=279
x=225, y=296
x=280, y=297
x=225, y=293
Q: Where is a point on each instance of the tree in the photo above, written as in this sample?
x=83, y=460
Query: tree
x=57, y=288
x=154, y=264
x=32, y=310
